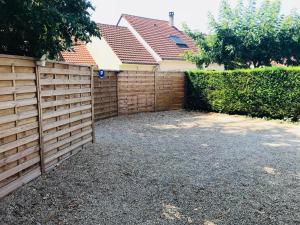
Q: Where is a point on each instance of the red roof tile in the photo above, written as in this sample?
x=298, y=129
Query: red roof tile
x=157, y=34
x=125, y=45
x=78, y=55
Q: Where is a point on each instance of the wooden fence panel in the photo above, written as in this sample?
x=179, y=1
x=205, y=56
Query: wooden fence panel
x=46, y=115
x=19, y=127
x=130, y=92
x=105, y=96
x=136, y=92
x=66, y=110
x=169, y=91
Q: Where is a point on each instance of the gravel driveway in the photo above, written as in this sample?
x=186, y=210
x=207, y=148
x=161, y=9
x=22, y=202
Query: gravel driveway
x=171, y=168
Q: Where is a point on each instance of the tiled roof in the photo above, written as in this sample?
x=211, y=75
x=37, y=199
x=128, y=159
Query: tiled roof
x=125, y=45
x=157, y=34
x=78, y=55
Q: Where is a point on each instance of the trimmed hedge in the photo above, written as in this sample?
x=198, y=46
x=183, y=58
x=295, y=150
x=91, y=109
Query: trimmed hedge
x=268, y=92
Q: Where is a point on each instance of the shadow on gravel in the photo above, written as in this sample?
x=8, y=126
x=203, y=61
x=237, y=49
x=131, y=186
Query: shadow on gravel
x=171, y=168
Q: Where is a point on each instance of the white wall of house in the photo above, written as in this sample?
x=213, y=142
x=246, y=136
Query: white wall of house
x=176, y=65
x=103, y=55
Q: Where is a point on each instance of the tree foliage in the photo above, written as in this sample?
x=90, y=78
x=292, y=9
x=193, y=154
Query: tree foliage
x=204, y=44
x=250, y=35
x=38, y=27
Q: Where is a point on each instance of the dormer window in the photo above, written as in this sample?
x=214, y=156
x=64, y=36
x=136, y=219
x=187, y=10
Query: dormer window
x=178, y=41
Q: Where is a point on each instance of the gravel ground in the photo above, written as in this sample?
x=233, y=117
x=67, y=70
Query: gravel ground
x=171, y=168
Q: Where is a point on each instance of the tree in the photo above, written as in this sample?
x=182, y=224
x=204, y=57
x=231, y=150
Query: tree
x=289, y=38
x=204, y=43
x=38, y=27
x=248, y=35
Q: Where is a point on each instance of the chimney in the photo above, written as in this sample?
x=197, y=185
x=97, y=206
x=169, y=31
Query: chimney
x=171, y=19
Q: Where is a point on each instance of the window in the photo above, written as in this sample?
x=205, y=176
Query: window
x=179, y=42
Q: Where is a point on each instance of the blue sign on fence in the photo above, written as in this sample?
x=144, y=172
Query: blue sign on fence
x=101, y=74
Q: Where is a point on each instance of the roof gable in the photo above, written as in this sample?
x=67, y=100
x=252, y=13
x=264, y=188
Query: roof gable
x=158, y=33
x=125, y=45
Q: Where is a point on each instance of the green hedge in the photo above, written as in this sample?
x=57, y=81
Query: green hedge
x=267, y=92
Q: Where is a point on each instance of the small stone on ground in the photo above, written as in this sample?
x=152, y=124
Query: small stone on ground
x=170, y=168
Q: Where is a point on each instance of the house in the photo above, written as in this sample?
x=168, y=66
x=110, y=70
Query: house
x=79, y=54
x=119, y=49
x=139, y=43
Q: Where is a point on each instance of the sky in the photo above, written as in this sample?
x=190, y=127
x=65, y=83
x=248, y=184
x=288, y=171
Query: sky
x=192, y=12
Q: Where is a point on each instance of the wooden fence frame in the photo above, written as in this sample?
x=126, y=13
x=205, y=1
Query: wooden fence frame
x=138, y=91
x=43, y=108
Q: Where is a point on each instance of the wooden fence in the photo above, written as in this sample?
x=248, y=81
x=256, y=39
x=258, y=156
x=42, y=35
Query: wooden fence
x=47, y=112
x=169, y=91
x=136, y=92
x=46, y=116
x=130, y=92
x=105, y=96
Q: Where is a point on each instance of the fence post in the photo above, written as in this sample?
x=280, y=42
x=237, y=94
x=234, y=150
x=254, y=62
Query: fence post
x=117, y=89
x=93, y=104
x=154, y=91
x=40, y=115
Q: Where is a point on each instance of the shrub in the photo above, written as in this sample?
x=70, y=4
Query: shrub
x=268, y=92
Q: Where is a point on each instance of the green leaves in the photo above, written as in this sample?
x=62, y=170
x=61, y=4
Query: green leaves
x=251, y=35
x=38, y=27
x=269, y=92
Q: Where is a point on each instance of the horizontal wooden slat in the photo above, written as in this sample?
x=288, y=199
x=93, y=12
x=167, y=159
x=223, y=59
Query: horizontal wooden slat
x=64, y=71
x=18, y=129
x=48, y=126
x=107, y=107
x=104, y=112
x=18, y=103
x=105, y=93
x=61, y=81
x=17, y=90
x=65, y=92
x=18, y=168
x=49, y=147
x=17, y=76
x=66, y=111
x=104, y=116
x=19, y=182
x=68, y=149
x=137, y=75
x=18, y=143
x=77, y=65
x=8, y=61
x=48, y=137
x=19, y=116
x=18, y=155
x=65, y=102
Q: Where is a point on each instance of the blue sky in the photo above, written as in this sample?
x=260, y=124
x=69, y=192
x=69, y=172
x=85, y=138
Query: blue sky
x=193, y=12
